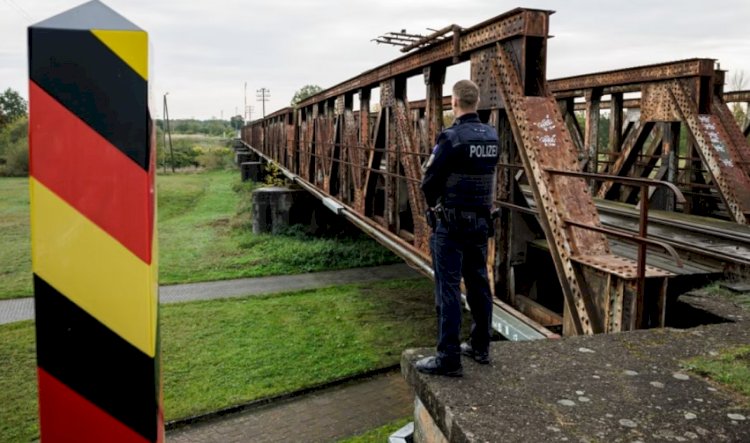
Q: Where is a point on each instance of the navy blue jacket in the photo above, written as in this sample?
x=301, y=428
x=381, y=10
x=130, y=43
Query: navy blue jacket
x=461, y=171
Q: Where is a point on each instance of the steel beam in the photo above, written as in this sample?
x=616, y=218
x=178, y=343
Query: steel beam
x=515, y=23
x=610, y=81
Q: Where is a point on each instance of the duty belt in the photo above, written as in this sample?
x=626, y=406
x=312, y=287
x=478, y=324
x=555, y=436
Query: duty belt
x=454, y=214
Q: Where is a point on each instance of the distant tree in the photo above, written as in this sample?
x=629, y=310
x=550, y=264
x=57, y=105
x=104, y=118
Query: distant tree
x=738, y=82
x=14, y=148
x=237, y=121
x=305, y=92
x=192, y=126
x=12, y=106
x=448, y=118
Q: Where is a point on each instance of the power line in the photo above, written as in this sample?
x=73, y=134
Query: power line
x=263, y=94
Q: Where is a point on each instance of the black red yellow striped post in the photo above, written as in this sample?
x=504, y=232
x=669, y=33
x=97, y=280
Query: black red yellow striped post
x=92, y=225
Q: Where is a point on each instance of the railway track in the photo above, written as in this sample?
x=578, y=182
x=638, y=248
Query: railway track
x=706, y=245
x=701, y=239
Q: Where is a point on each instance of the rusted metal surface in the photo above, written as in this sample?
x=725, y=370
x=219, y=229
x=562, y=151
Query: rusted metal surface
x=615, y=123
x=717, y=152
x=516, y=23
x=737, y=96
x=591, y=137
x=738, y=139
x=628, y=155
x=615, y=80
x=542, y=141
x=675, y=93
x=430, y=39
x=633, y=103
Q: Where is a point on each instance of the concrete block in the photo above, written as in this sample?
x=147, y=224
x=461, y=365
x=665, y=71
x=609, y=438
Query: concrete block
x=253, y=171
x=275, y=208
x=425, y=428
x=241, y=157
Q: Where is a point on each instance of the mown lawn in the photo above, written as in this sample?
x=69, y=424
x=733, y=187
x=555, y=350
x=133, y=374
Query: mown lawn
x=15, y=247
x=202, y=236
x=225, y=352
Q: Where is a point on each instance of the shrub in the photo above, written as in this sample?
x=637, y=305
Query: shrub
x=184, y=152
x=14, y=148
x=274, y=177
x=16, y=160
x=216, y=158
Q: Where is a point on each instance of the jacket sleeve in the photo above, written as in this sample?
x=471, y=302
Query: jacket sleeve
x=437, y=171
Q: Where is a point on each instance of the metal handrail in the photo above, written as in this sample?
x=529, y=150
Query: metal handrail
x=644, y=184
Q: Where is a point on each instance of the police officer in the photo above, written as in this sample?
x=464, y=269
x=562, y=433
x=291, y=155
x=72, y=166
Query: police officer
x=458, y=184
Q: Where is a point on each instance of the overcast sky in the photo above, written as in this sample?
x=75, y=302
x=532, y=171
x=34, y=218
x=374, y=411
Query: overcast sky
x=205, y=51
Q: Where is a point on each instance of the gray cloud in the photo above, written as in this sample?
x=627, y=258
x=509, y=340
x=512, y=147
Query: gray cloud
x=204, y=52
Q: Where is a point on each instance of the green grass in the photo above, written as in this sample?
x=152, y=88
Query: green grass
x=18, y=404
x=221, y=353
x=714, y=289
x=259, y=347
x=203, y=236
x=15, y=253
x=730, y=368
x=378, y=435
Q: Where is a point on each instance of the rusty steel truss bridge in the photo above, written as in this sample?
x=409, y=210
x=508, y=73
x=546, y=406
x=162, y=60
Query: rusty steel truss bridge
x=592, y=236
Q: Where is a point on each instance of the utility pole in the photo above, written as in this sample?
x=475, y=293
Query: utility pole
x=168, y=131
x=245, y=101
x=249, y=111
x=263, y=95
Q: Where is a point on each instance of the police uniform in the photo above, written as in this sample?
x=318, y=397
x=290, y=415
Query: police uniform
x=459, y=180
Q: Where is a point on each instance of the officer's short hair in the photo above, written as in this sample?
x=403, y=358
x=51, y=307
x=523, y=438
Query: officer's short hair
x=467, y=94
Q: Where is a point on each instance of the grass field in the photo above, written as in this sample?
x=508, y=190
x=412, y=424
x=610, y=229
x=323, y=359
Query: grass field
x=225, y=352
x=15, y=252
x=199, y=236
x=202, y=236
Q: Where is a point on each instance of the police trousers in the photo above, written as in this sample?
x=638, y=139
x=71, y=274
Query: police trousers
x=459, y=249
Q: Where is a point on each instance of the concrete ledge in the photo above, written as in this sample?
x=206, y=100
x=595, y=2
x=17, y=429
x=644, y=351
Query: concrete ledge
x=624, y=387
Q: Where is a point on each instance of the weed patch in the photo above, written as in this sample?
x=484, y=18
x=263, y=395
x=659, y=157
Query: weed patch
x=731, y=368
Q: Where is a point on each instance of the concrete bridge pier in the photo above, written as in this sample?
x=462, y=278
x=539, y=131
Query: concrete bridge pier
x=253, y=171
x=243, y=156
x=276, y=208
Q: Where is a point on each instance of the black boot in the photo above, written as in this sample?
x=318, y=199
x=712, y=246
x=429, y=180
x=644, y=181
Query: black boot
x=481, y=357
x=436, y=366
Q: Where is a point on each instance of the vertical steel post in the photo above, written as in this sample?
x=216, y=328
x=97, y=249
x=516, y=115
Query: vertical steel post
x=593, y=98
x=93, y=238
x=641, y=267
x=615, y=126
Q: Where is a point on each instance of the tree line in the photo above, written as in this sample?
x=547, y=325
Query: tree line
x=14, y=134
x=196, y=151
